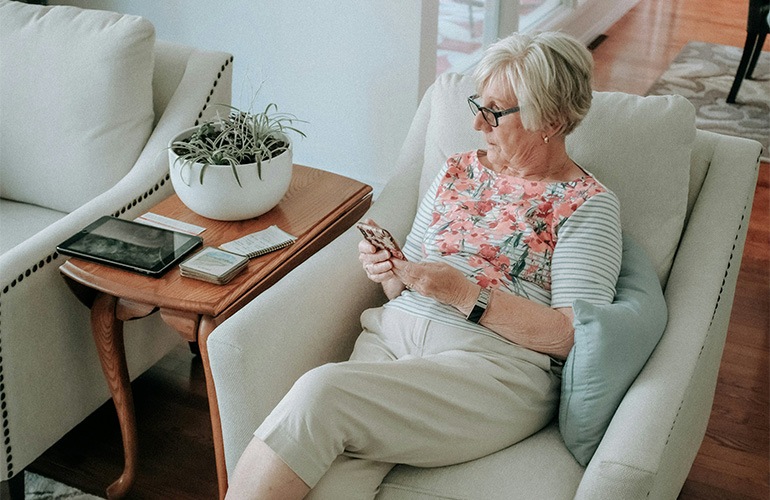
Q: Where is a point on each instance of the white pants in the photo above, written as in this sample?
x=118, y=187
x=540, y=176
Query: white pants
x=414, y=392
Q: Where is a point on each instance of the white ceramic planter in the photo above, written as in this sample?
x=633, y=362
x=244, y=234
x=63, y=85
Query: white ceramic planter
x=219, y=196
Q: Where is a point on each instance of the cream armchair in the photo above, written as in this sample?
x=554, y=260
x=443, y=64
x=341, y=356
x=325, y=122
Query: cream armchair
x=685, y=197
x=89, y=102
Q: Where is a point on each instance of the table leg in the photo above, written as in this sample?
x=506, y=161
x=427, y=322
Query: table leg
x=107, y=330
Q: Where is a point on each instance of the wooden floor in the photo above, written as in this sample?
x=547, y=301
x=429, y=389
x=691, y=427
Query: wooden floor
x=176, y=455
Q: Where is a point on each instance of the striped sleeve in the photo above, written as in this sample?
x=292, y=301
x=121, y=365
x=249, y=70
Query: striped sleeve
x=586, y=259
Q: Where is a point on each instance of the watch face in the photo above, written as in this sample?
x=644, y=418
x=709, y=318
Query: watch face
x=480, y=306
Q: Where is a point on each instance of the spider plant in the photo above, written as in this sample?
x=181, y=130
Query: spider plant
x=240, y=138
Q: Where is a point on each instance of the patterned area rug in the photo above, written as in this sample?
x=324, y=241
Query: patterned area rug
x=703, y=73
x=41, y=488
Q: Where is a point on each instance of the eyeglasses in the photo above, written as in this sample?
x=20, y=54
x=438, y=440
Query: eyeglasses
x=490, y=116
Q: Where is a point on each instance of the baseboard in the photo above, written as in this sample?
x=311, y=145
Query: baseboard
x=588, y=20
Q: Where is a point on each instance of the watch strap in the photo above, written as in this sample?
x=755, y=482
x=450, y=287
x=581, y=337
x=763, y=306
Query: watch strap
x=480, y=306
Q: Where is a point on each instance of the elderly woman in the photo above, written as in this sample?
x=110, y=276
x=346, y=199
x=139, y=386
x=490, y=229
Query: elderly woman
x=464, y=360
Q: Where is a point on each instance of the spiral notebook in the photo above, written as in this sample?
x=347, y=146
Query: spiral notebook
x=259, y=243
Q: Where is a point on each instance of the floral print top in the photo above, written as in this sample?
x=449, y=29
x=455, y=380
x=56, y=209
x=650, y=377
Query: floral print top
x=502, y=231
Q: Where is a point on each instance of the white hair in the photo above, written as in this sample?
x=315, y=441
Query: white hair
x=549, y=73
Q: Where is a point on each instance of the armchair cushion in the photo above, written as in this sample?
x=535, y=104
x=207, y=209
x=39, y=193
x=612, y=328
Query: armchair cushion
x=77, y=101
x=649, y=171
x=21, y=220
x=612, y=345
x=650, y=174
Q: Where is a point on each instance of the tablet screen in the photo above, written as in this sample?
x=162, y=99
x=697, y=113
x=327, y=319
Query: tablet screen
x=130, y=245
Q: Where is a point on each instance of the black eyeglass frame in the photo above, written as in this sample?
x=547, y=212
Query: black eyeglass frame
x=486, y=112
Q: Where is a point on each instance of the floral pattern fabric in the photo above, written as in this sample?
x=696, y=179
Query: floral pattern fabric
x=504, y=228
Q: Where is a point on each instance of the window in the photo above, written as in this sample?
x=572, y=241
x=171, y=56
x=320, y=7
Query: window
x=533, y=11
x=465, y=27
x=460, y=34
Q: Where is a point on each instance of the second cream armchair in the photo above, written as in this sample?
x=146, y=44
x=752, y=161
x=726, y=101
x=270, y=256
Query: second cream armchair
x=50, y=377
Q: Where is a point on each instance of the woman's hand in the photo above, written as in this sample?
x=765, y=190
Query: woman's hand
x=378, y=266
x=439, y=281
x=375, y=262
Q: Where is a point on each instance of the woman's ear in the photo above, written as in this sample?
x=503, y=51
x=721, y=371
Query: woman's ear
x=553, y=130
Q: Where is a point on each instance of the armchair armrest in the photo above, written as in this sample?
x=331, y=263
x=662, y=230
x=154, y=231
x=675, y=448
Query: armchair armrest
x=331, y=286
x=661, y=421
x=257, y=354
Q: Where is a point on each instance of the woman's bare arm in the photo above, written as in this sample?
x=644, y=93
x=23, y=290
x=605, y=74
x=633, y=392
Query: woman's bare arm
x=515, y=318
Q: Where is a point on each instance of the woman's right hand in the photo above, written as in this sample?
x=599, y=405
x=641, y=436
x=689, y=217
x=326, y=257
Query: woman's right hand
x=378, y=267
x=375, y=262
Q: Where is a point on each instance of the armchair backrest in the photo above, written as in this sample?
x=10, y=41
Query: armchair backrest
x=170, y=65
x=178, y=68
x=639, y=147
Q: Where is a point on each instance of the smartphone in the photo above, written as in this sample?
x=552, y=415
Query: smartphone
x=381, y=239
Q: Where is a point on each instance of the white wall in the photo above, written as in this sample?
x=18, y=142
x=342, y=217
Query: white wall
x=354, y=69
x=350, y=68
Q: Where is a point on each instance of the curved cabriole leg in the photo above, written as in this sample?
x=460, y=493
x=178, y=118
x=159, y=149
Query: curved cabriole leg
x=108, y=335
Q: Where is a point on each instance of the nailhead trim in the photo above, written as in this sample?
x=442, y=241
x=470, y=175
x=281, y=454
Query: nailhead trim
x=51, y=259
x=714, y=313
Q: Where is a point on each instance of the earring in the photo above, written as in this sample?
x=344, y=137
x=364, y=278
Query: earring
x=546, y=139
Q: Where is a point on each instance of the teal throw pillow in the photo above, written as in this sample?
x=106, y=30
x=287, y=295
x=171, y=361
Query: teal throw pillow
x=612, y=345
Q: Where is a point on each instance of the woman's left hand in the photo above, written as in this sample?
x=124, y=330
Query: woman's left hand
x=437, y=280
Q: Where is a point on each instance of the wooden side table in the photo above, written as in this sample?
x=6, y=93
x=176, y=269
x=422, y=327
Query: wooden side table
x=318, y=207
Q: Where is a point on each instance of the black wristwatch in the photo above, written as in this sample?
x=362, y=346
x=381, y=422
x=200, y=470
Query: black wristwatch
x=480, y=306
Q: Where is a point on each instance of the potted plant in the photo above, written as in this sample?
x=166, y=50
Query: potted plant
x=234, y=167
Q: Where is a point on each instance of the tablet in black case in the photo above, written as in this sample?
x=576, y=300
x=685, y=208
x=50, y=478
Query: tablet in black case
x=130, y=245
